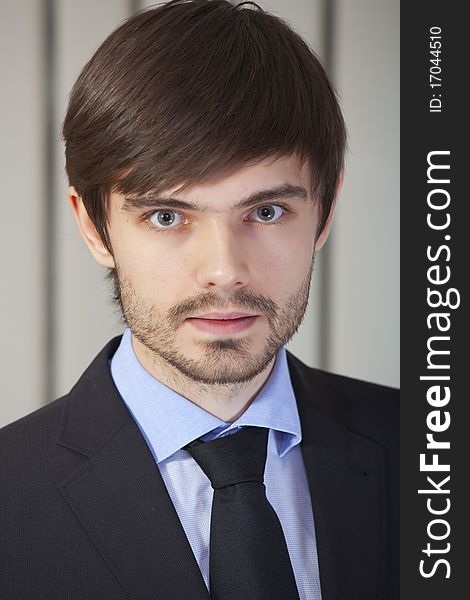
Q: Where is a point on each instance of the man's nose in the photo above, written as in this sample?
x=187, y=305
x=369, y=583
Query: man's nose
x=220, y=257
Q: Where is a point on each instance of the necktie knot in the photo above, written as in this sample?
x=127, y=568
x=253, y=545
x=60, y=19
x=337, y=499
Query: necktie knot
x=232, y=459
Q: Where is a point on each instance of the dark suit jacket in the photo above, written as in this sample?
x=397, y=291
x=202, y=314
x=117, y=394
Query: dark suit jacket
x=85, y=514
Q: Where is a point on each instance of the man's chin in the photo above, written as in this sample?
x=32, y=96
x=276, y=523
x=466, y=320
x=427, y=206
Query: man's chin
x=221, y=377
x=222, y=364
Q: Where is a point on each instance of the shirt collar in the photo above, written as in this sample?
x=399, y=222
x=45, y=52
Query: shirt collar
x=169, y=421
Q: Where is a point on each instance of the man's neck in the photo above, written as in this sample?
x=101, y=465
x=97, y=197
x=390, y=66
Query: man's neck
x=225, y=401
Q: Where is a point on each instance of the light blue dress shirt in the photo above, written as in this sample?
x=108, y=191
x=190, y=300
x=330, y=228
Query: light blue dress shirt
x=168, y=422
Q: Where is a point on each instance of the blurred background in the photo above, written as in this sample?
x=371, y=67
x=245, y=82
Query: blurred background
x=55, y=300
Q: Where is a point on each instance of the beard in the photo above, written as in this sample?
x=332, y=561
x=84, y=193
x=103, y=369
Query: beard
x=223, y=361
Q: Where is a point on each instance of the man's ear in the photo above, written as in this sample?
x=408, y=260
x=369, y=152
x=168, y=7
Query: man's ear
x=326, y=229
x=89, y=232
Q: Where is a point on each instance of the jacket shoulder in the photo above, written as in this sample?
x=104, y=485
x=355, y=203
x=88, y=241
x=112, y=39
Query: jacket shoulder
x=368, y=408
x=44, y=419
x=93, y=388
x=359, y=389
x=30, y=456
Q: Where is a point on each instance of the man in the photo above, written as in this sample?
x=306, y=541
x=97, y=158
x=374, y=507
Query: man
x=196, y=457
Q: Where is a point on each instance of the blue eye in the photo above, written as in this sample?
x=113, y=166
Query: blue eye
x=165, y=219
x=269, y=213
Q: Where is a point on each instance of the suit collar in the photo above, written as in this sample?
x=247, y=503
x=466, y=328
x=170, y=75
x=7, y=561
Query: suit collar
x=95, y=411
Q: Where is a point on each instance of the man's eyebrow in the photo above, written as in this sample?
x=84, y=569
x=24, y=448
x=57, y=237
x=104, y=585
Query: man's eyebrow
x=149, y=201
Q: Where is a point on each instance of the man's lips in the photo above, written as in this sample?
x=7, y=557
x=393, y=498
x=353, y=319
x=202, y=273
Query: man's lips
x=223, y=316
x=222, y=324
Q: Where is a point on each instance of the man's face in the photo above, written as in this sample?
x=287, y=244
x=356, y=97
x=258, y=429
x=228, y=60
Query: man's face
x=186, y=254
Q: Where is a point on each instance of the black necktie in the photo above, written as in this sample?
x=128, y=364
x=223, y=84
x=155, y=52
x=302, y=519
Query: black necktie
x=248, y=553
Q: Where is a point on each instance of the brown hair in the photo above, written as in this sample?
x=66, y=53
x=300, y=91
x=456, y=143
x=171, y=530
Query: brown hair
x=179, y=92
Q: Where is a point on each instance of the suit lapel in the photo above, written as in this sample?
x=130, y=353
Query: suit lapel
x=345, y=475
x=119, y=496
